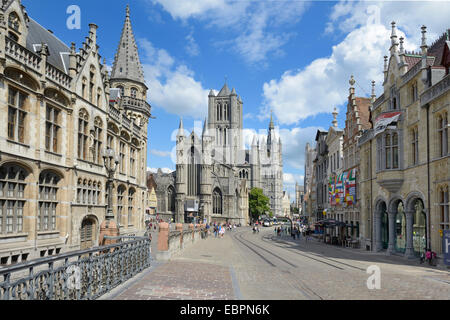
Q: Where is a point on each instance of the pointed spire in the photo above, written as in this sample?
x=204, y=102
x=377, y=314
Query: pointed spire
x=233, y=92
x=393, y=34
x=255, y=141
x=211, y=93
x=181, y=128
x=225, y=91
x=402, y=50
x=424, y=46
x=373, y=96
x=126, y=63
x=271, y=125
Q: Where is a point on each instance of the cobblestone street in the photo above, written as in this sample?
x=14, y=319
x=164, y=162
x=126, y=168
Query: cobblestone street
x=262, y=266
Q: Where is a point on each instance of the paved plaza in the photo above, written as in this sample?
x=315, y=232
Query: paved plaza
x=247, y=266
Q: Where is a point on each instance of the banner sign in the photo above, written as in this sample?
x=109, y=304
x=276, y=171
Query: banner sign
x=342, y=188
x=384, y=120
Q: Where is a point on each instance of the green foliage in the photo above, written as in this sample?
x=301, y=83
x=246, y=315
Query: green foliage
x=259, y=204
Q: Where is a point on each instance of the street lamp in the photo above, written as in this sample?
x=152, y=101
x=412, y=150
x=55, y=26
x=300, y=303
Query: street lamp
x=111, y=161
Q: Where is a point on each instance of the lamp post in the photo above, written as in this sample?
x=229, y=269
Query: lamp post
x=111, y=161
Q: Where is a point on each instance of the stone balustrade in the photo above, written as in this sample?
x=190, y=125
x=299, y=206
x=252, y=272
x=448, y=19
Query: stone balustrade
x=171, y=243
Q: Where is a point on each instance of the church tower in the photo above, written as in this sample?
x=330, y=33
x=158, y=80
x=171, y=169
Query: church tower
x=225, y=122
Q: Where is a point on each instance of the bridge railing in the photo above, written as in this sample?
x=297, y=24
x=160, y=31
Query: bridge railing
x=78, y=275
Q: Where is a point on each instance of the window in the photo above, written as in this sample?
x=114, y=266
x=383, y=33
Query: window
x=442, y=135
x=91, y=84
x=391, y=151
x=217, y=201
x=12, y=202
x=97, y=156
x=83, y=119
x=444, y=208
x=110, y=142
x=99, y=97
x=122, y=91
x=14, y=21
x=394, y=103
x=51, y=128
x=48, y=201
x=132, y=161
x=122, y=157
x=16, y=115
x=414, y=92
x=120, y=193
x=83, y=88
x=134, y=93
x=130, y=206
x=415, y=146
x=171, y=199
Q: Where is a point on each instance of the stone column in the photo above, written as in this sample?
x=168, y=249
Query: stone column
x=391, y=248
x=377, y=232
x=409, y=253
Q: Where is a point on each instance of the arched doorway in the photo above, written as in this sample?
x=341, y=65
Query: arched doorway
x=419, y=228
x=88, y=233
x=384, y=226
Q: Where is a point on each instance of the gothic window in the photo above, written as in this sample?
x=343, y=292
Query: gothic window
x=83, y=87
x=14, y=21
x=217, y=201
x=134, y=93
x=48, y=201
x=414, y=92
x=218, y=112
x=83, y=119
x=394, y=103
x=99, y=97
x=51, y=128
x=91, y=84
x=442, y=135
x=444, y=205
x=110, y=142
x=131, y=194
x=98, y=129
x=171, y=199
x=225, y=112
x=16, y=115
x=12, y=198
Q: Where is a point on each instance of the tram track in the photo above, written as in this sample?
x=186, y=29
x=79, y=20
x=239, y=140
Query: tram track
x=298, y=284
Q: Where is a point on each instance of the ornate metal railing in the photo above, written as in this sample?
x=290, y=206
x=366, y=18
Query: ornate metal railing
x=78, y=275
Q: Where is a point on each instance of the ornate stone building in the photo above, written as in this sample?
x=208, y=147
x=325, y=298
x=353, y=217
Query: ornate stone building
x=215, y=173
x=405, y=159
x=60, y=112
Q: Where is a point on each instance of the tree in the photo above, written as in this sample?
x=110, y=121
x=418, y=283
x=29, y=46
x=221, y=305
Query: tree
x=259, y=204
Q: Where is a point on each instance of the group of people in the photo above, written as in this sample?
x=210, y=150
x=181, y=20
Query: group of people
x=219, y=229
x=295, y=233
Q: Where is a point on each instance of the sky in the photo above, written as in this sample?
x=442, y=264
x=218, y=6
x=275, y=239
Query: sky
x=294, y=58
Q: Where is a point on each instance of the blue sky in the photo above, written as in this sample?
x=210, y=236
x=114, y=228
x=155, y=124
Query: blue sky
x=292, y=57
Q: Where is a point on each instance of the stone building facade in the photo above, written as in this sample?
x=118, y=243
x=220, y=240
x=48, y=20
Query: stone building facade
x=60, y=111
x=309, y=182
x=405, y=159
x=321, y=176
x=215, y=173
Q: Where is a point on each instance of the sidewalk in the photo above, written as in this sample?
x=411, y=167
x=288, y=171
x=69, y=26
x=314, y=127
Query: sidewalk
x=314, y=243
x=193, y=274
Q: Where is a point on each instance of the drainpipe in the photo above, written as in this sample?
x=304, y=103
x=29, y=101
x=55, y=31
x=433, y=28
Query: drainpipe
x=371, y=193
x=428, y=179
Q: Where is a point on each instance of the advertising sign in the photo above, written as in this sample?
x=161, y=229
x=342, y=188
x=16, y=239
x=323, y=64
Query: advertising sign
x=446, y=247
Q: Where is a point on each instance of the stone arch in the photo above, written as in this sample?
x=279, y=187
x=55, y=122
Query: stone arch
x=56, y=95
x=89, y=232
x=125, y=135
x=54, y=171
x=411, y=199
x=22, y=78
x=113, y=127
x=393, y=203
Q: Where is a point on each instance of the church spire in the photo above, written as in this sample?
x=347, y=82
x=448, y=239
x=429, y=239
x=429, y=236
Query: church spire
x=126, y=63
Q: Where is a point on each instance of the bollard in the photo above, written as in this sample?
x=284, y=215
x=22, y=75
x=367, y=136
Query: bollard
x=163, y=242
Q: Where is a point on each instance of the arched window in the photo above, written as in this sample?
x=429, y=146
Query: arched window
x=217, y=201
x=444, y=204
x=131, y=193
x=48, y=201
x=419, y=228
x=99, y=97
x=98, y=129
x=218, y=112
x=83, y=121
x=122, y=91
x=14, y=21
x=83, y=87
x=12, y=198
x=171, y=199
x=134, y=93
x=91, y=84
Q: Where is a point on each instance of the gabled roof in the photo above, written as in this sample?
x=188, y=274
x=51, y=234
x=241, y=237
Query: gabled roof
x=225, y=91
x=126, y=63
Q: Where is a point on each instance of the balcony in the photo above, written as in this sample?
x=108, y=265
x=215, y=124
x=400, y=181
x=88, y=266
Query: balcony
x=136, y=105
x=435, y=91
x=22, y=55
x=57, y=76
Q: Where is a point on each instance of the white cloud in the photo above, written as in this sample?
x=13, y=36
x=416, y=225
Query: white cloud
x=155, y=170
x=254, y=26
x=173, y=87
x=323, y=84
x=192, y=47
x=160, y=153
